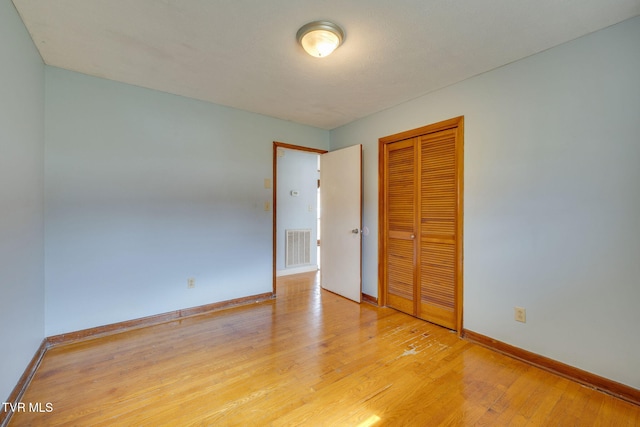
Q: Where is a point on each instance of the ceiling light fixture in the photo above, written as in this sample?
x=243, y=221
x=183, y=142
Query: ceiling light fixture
x=320, y=38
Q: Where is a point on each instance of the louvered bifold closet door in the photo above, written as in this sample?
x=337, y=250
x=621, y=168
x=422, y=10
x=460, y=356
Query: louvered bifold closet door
x=437, y=245
x=401, y=219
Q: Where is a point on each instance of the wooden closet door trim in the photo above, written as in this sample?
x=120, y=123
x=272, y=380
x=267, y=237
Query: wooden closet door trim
x=460, y=224
x=456, y=122
x=436, y=127
x=382, y=230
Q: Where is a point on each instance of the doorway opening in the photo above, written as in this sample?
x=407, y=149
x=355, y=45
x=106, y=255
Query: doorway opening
x=296, y=213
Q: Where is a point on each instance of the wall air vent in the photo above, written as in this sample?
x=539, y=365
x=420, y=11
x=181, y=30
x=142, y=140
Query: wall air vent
x=298, y=247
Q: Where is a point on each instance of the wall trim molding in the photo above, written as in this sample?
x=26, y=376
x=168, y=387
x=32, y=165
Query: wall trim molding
x=370, y=299
x=588, y=379
x=115, y=328
x=23, y=383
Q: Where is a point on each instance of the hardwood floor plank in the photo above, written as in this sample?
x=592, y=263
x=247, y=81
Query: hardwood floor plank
x=307, y=357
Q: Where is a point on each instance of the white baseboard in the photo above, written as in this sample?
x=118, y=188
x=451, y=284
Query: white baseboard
x=296, y=270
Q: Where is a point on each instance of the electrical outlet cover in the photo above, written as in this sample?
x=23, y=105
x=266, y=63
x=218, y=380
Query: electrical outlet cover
x=520, y=314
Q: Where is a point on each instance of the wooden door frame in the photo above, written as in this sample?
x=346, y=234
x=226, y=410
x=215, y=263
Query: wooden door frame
x=274, y=204
x=456, y=122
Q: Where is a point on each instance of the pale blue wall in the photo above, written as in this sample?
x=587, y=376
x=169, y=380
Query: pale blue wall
x=21, y=193
x=552, y=198
x=297, y=170
x=146, y=189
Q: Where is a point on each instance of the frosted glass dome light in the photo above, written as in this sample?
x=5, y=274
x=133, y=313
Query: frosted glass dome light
x=320, y=38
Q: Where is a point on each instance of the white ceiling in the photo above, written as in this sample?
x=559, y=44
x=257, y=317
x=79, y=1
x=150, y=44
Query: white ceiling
x=243, y=53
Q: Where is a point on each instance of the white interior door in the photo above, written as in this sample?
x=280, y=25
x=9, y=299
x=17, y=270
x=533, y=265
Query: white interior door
x=341, y=220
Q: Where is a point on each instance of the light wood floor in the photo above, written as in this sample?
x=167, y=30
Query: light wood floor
x=307, y=358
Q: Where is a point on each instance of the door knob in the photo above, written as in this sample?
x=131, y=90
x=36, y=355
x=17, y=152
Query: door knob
x=413, y=236
x=355, y=231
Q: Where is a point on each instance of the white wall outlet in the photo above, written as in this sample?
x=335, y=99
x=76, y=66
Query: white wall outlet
x=520, y=314
x=191, y=282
